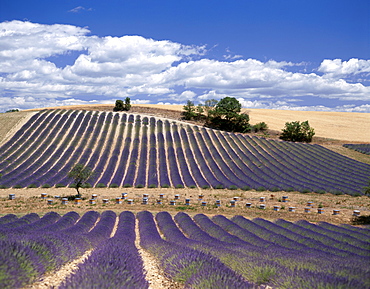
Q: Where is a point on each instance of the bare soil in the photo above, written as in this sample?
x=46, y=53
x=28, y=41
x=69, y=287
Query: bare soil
x=29, y=200
x=154, y=274
x=56, y=278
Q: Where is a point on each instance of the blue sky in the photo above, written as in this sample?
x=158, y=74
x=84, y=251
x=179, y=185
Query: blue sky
x=302, y=55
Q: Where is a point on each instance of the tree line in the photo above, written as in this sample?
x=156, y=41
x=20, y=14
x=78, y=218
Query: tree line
x=226, y=115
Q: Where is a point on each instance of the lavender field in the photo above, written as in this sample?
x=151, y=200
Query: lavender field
x=196, y=252
x=127, y=150
x=362, y=148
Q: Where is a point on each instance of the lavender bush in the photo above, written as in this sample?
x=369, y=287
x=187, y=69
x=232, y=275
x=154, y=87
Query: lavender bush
x=114, y=264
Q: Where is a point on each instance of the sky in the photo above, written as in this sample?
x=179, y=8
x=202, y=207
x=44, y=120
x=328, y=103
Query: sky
x=287, y=54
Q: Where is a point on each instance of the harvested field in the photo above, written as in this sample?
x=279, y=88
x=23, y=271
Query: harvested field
x=11, y=122
x=343, y=126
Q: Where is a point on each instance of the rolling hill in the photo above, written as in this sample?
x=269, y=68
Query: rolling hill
x=135, y=150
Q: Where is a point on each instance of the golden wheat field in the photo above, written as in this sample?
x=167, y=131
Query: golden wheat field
x=344, y=126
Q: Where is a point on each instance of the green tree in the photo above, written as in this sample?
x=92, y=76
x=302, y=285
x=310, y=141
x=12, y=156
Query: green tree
x=127, y=105
x=199, y=110
x=80, y=174
x=228, y=108
x=209, y=106
x=13, y=110
x=189, y=110
x=297, y=131
x=241, y=123
x=122, y=106
x=261, y=126
x=226, y=116
x=118, y=106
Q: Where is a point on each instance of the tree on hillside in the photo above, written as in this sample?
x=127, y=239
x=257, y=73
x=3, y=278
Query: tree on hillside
x=226, y=116
x=13, y=110
x=261, y=126
x=297, y=131
x=122, y=106
x=118, y=106
x=199, y=110
x=127, y=105
x=209, y=105
x=189, y=110
x=228, y=108
x=80, y=174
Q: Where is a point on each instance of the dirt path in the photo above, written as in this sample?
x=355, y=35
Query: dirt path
x=54, y=279
x=154, y=275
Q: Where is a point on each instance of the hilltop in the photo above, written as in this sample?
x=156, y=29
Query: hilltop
x=331, y=126
x=333, y=129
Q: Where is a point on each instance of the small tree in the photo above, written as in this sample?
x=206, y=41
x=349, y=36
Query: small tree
x=189, y=110
x=261, y=126
x=80, y=174
x=13, y=110
x=209, y=105
x=127, y=105
x=228, y=108
x=296, y=131
x=241, y=123
x=120, y=106
x=226, y=116
x=199, y=111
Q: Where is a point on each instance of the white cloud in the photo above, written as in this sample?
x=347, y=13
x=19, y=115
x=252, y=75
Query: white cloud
x=184, y=96
x=28, y=41
x=116, y=67
x=283, y=105
x=140, y=101
x=28, y=102
x=128, y=55
x=79, y=9
x=339, y=68
x=250, y=78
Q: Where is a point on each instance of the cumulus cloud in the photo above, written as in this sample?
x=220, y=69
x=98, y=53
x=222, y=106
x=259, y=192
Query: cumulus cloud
x=28, y=41
x=145, y=69
x=184, y=96
x=338, y=68
x=251, y=78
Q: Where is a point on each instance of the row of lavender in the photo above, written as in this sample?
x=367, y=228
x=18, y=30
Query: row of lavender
x=32, y=246
x=362, y=148
x=127, y=150
x=199, y=252
x=280, y=254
